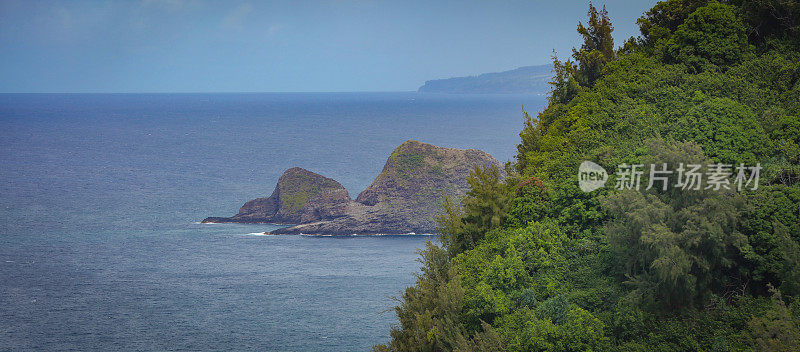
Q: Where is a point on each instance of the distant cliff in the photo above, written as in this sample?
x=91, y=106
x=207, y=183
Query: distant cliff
x=405, y=197
x=524, y=80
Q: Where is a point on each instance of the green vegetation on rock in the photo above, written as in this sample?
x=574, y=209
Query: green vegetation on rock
x=407, y=194
x=299, y=196
x=297, y=188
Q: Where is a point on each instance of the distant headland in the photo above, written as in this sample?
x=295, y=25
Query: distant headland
x=404, y=198
x=523, y=80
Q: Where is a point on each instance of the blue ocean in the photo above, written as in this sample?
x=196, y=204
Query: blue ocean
x=101, y=195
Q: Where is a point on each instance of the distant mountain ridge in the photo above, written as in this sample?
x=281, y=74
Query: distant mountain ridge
x=523, y=80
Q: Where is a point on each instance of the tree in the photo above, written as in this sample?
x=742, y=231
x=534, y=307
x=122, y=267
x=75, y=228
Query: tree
x=597, y=48
x=658, y=23
x=676, y=247
x=565, y=84
x=530, y=136
x=771, y=18
x=712, y=35
x=728, y=131
x=482, y=209
x=777, y=330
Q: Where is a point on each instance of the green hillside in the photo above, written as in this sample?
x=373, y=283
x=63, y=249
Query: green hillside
x=532, y=263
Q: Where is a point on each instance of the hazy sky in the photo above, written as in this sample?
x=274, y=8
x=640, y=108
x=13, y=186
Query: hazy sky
x=280, y=46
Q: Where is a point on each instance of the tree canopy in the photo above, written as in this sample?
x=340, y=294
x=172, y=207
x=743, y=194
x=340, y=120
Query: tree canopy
x=532, y=263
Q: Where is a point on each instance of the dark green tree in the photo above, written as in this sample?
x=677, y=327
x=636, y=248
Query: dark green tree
x=483, y=208
x=771, y=18
x=660, y=22
x=712, y=35
x=676, y=247
x=565, y=84
x=597, y=48
x=530, y=136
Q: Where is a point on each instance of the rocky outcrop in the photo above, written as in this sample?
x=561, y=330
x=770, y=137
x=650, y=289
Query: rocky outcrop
x=300, y=196
x=405, y=197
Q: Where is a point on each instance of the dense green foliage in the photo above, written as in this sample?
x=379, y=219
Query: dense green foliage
x=532, y=263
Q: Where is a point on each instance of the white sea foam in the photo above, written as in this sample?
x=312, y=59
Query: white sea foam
x=369, y=235
x=258, y=234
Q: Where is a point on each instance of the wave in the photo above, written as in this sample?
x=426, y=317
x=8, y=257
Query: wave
x=371, y=235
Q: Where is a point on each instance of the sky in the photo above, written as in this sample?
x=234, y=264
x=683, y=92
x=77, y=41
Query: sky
x=281, y=46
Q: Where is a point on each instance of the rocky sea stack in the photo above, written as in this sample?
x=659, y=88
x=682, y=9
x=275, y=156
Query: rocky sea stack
x=300, y=196
x=405, y=197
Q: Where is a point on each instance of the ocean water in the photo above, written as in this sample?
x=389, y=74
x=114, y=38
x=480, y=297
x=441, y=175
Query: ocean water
x=101, y=194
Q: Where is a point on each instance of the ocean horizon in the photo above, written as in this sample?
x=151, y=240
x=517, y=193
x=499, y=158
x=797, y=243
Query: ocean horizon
x=100, y=242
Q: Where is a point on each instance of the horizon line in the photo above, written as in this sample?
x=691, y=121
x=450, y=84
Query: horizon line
x=227, y=92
